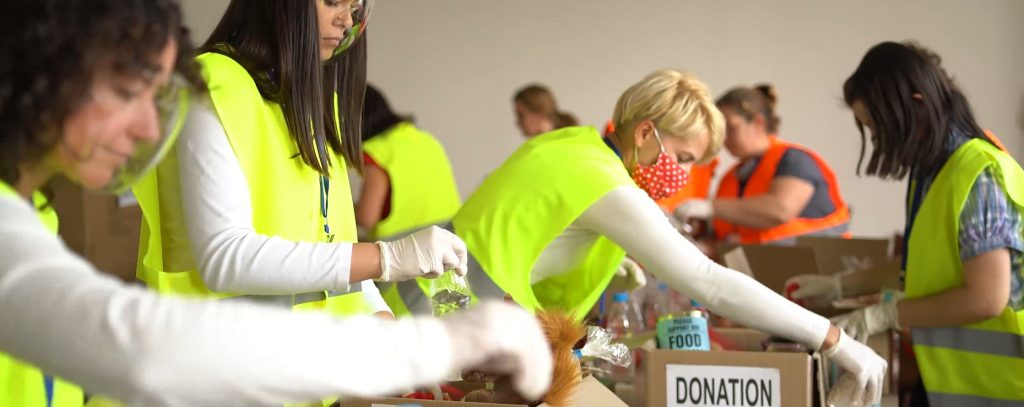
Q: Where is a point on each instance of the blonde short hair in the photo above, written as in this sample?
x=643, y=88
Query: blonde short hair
x=677, y=102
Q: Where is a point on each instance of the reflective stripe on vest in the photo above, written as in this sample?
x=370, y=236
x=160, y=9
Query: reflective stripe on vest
x=284, y=194
x=423, y=190
x=980, y=363
x=698, y=186
x=22, y=384
x=531, y=199
x=760, y=183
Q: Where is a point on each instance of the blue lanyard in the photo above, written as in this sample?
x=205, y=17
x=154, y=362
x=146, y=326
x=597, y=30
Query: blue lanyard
x=48, y=385
x=325, y=190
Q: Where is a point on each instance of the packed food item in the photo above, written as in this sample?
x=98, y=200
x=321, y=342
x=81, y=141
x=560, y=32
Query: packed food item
x=449, y=293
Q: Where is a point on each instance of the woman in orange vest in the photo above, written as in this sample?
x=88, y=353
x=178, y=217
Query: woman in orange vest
x=779, y=190
x=537, y=111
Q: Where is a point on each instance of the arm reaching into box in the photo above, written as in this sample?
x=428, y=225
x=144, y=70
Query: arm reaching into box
x=629, y=218
x=57, y=312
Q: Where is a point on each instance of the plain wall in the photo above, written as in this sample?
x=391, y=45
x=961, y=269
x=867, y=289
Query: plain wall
x=454, y=65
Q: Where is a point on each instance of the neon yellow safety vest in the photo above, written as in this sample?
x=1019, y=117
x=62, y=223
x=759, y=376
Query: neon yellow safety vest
x=284, y=192
x=423, y=190
x=22, y=384
x=980, y=364
x=530, y=200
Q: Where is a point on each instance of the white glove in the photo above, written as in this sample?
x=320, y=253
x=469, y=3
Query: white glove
x=502, y=338
x=427, y=253
x=633, y=273
x=865, y=369
x=870, y=320
x=695, y=209
x=816, y=288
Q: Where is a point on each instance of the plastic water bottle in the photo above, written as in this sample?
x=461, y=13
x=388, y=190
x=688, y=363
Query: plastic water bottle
x=621, y=323
x=659, y=304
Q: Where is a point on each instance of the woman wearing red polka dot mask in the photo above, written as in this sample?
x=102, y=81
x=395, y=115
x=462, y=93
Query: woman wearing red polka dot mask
x=663, y=178
x=553, y=223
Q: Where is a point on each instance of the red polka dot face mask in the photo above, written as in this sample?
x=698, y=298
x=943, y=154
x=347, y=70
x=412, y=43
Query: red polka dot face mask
x=663, y=178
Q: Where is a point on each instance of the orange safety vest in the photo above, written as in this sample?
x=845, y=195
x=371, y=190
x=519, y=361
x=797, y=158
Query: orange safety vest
x=760, y=182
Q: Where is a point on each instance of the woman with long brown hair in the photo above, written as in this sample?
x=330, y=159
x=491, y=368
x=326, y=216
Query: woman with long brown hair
x=256, y=202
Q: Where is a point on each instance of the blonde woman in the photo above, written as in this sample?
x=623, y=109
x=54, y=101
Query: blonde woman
x=553, y=223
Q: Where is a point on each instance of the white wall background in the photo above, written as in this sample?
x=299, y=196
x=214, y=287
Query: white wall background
x=454, y=65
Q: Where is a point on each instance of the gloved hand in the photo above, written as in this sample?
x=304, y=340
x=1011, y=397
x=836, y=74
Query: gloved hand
x=865, y=369
x=501, y=338
x=695, y=209
x=814, y=288
x=427, y=253
x=633, y=273
x=870, y=320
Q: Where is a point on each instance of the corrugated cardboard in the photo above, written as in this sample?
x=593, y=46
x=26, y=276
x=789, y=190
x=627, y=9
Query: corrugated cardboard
x=590, y=393
x=830, y=251
x=768, y=379
x=100, y=227
x=834, y=255
x=772, y=265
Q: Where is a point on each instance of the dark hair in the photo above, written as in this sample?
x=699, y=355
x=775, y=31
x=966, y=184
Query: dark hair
x=907, y=133
x=750, y=102
x=377, y=114
x=538, y=99
x=277, y=42
x=50, y=52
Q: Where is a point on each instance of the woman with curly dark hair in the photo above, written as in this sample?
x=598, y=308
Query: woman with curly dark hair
x=94, y=91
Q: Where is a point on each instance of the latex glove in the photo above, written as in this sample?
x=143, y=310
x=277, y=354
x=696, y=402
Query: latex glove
x=815, y=288
x=501, y=338
x=633, y=273
x=427, y=253
x=869, y=320
x=695, y=209
x=866, y=371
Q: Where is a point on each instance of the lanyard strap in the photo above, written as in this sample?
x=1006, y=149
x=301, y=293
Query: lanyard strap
x=325, y=206
x=48, y=386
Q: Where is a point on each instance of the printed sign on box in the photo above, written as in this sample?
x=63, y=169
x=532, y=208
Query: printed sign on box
x=705, y=385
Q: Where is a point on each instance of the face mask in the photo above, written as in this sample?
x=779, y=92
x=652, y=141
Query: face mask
x=663, y=178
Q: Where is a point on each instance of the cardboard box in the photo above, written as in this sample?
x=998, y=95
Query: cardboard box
x=773, y=265
x=590, y=393
x=100, y=227
x=684, y=378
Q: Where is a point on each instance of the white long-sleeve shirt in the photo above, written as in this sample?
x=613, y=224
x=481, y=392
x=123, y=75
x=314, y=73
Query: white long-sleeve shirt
x=59, y=313
x=628, y=217
x=230, y=255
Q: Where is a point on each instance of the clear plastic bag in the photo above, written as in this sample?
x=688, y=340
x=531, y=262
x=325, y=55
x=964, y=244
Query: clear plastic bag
x=599, y=346
x=449, y=293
